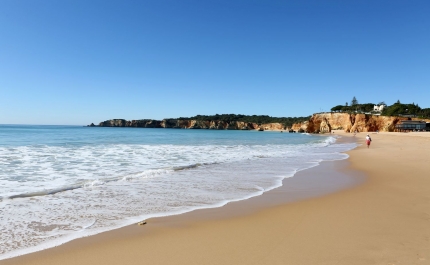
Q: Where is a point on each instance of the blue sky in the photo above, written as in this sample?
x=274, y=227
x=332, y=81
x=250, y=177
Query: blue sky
x=77, y=62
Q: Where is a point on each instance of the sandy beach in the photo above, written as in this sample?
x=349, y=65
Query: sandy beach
x=374, y=210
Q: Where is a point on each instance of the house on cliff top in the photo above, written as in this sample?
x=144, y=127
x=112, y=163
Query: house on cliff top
x=379, y=108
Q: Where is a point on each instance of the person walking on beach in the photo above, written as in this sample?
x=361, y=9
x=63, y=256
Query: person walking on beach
x=368, y=140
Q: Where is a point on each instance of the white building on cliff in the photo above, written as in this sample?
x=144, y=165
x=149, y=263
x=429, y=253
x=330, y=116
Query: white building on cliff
x=379, y=108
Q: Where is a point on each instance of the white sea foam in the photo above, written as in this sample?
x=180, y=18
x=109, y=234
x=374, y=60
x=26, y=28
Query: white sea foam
x=85, y=190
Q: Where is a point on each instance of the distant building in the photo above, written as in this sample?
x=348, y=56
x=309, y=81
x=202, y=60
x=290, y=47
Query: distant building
x=408, y=115
x=405, y=126
x=379, y=108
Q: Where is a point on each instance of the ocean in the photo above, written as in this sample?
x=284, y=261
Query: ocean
x=59, y=183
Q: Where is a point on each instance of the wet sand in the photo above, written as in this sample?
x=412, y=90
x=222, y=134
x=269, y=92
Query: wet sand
x=373, y=208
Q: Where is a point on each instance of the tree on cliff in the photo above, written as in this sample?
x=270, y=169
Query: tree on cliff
x=259, y=119
x=366, y=107
x=425, y=113
x=393, y=110
x=398, y=108
x=337, y=108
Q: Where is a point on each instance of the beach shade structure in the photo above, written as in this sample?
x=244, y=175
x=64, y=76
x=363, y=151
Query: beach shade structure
x=409, y=125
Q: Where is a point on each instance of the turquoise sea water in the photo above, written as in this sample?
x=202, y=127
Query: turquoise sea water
x=58, y=183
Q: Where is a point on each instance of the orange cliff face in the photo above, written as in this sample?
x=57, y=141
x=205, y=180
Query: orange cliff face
x=192, y=124
x=272, y=126
x=326, y=122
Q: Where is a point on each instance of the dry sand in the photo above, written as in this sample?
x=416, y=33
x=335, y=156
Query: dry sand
x=383, y=220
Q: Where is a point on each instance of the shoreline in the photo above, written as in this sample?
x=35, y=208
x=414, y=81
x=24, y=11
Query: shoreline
x=259, y=167
x=303, y=185
x=384, y=220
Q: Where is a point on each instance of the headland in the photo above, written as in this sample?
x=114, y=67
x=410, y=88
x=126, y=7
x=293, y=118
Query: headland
x=317, y=123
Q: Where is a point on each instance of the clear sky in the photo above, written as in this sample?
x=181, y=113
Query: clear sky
x=77, y=62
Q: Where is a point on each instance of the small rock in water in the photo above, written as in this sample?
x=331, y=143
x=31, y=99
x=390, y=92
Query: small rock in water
x=142, y=223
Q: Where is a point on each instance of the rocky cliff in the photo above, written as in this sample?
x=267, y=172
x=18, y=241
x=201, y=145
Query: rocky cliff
x=325, y=122
x=192, y=124
x=318, y=123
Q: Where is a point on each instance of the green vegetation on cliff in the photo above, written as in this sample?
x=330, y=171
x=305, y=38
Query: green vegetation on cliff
x=259, y=119
x=397, y=109
x=406, y=109
x=367, y=107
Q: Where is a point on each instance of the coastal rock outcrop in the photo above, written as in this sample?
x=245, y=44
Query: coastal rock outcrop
x=192, y=124
x=273, y=127
x=133, y=123
x=348, y=122
x=317, y=123
x=113, y=123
